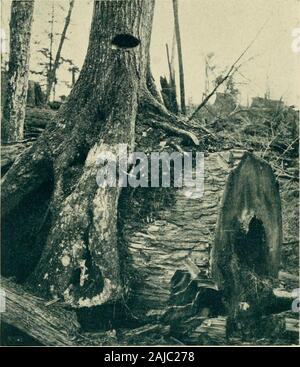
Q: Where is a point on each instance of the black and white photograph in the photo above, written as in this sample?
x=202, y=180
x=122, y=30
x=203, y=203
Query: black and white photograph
x=150, y=174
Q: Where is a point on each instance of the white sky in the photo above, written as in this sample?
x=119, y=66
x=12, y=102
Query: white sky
x=224, y=27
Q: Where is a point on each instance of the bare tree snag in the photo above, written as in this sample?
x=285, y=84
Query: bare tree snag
x=180, y=60
x=18, y=71
x=80, y=262
x=168, y=88
x=54, y=67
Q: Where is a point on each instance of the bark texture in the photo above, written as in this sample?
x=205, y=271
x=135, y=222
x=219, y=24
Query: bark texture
x=15, y=104
x=48, y=325
x=250, y=206
x=180, y=233
x=80, y=261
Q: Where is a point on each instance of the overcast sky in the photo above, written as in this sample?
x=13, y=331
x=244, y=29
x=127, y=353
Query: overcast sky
x=224, y=27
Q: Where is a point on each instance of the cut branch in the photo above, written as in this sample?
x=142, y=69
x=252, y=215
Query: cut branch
x=157, y=115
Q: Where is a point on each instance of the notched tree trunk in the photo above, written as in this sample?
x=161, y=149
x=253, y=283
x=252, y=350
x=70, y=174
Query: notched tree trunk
x=80, y=263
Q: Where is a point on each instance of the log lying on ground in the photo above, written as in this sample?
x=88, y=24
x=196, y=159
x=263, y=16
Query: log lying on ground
x=52, y=325
x=36, y=119
x=292, y=325
x=150, y=334
x=211, y=331
x=165, y=227
x=49, y=325
x=288, y=278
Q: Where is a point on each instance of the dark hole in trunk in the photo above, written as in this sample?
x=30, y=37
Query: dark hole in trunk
x=251, y=248
x=125, y=40
x=93, y=280
x=24, y=233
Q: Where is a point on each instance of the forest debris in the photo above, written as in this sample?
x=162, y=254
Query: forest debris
x=234, y=67
x=292, y=325
x=282, y=293
x=191, y=267
x=212, y=329
x=49, y=326
x=284, y=276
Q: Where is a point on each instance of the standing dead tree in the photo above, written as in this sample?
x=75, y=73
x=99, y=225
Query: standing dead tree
x=168, y=88
x=54, y=67
x=180, y=61
x=20, y=34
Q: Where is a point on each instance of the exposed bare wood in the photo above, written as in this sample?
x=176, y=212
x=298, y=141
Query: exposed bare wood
x=52, y=325
x=180, y=236
x=48, y=325
x=282, y=275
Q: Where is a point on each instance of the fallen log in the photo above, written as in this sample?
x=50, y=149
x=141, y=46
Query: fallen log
x=36, y=119
x=167, y=231
x=292, y=325
x=211, y=331
x=49, y=323
x=280, y=293
x=289, y=278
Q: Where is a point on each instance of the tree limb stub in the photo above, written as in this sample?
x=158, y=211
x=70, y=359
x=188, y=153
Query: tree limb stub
x=156, y=115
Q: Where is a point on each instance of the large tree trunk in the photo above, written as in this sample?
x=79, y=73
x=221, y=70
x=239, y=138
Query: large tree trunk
x=50, y=199
x=54, y=67
x=80, y=260
x=20, y=33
